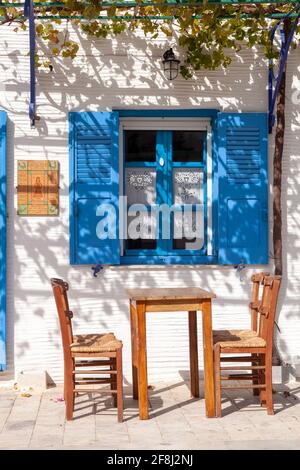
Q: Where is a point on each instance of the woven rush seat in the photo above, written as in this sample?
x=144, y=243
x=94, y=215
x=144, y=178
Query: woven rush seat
x=238, y=338
x=95, y=343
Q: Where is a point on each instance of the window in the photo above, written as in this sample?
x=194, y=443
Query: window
x=166, y=184
x=195, y=184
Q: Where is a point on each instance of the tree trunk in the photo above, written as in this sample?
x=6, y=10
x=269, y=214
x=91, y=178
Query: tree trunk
x=277, y=166
x=277, y=179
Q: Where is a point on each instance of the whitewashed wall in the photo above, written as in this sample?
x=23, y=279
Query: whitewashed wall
x=126, y=73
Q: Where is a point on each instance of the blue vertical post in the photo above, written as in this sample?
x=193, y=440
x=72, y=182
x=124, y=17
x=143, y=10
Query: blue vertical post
x=29, y=13
x=2, y=240
x=284, y=50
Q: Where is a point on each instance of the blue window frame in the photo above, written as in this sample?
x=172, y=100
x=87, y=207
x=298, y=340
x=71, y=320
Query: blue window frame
x=175, y=257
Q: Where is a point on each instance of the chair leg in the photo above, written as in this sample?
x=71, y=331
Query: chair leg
x=113, y=385
x=262, y=380
x=269, y=391
x=217, y=365
x=255, y=379
x=119, y=368
x=69, y=395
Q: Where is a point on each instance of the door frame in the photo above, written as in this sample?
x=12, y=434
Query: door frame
x=3, y=215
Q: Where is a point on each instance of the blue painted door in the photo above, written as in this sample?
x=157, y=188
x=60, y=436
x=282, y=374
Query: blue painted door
x=2, y=240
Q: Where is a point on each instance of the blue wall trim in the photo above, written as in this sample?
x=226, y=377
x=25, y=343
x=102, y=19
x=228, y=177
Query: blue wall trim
x=3, y=124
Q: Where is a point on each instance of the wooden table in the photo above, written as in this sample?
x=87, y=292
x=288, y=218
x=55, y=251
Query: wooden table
x=171, y=300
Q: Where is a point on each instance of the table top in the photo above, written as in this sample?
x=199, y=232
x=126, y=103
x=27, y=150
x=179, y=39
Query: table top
x=174, y=293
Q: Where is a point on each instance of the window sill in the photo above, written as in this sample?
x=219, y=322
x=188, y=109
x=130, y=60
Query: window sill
x=168, y=260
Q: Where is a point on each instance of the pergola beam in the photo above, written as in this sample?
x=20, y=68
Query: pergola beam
x=132, y=4
x=275, y=16
x=41, y=6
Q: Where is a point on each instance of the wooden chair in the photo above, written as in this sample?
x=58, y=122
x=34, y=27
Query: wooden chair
x=256, y=291
x=84, y=355
x=258, y=342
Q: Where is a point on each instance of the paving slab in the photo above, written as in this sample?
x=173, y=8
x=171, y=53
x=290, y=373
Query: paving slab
x=177, y=421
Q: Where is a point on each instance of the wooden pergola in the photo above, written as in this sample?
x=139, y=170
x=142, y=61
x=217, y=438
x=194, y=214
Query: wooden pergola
x=33, y=10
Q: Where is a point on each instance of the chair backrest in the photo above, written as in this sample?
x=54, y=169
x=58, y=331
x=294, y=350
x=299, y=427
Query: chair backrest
x=60, y=289
x=256, y=295
x=267, y=309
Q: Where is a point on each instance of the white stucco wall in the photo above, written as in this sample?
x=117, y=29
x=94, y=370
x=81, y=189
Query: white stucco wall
x=126, y=73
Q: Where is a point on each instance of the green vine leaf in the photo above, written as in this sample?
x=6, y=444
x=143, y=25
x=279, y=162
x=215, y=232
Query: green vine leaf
x=206, y=33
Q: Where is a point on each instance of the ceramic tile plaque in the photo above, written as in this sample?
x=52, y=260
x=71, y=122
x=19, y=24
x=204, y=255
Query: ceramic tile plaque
x=38, y=187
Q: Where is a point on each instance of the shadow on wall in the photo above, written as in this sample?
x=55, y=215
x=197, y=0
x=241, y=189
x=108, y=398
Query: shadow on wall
x=113, y=78
x=127, y=71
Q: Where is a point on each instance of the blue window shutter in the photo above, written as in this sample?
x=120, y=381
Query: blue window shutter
x=243, y=188
x=94, y=187
x=3, y=119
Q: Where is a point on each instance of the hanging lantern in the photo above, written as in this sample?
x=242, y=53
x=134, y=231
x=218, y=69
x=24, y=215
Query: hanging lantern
x=171, y=64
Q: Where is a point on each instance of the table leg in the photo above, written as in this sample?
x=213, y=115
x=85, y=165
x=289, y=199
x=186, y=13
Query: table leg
x=142, y=361
x=208, y=360
x=134, y=358
x=194, y=370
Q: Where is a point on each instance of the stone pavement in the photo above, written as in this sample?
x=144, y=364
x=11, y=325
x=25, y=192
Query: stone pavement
x=177, y=421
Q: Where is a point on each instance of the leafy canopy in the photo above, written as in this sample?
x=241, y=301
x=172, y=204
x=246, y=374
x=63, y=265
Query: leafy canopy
x=206, y=33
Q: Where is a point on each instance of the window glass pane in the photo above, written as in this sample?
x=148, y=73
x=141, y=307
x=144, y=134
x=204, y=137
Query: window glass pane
x=187, y=186
x=140, y=244
x=141, y=231
x=140, y=146
x=187, y=146
x=140, y=186
x=188, y=229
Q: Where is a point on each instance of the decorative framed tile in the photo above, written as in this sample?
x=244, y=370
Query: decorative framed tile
x=38, y=192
